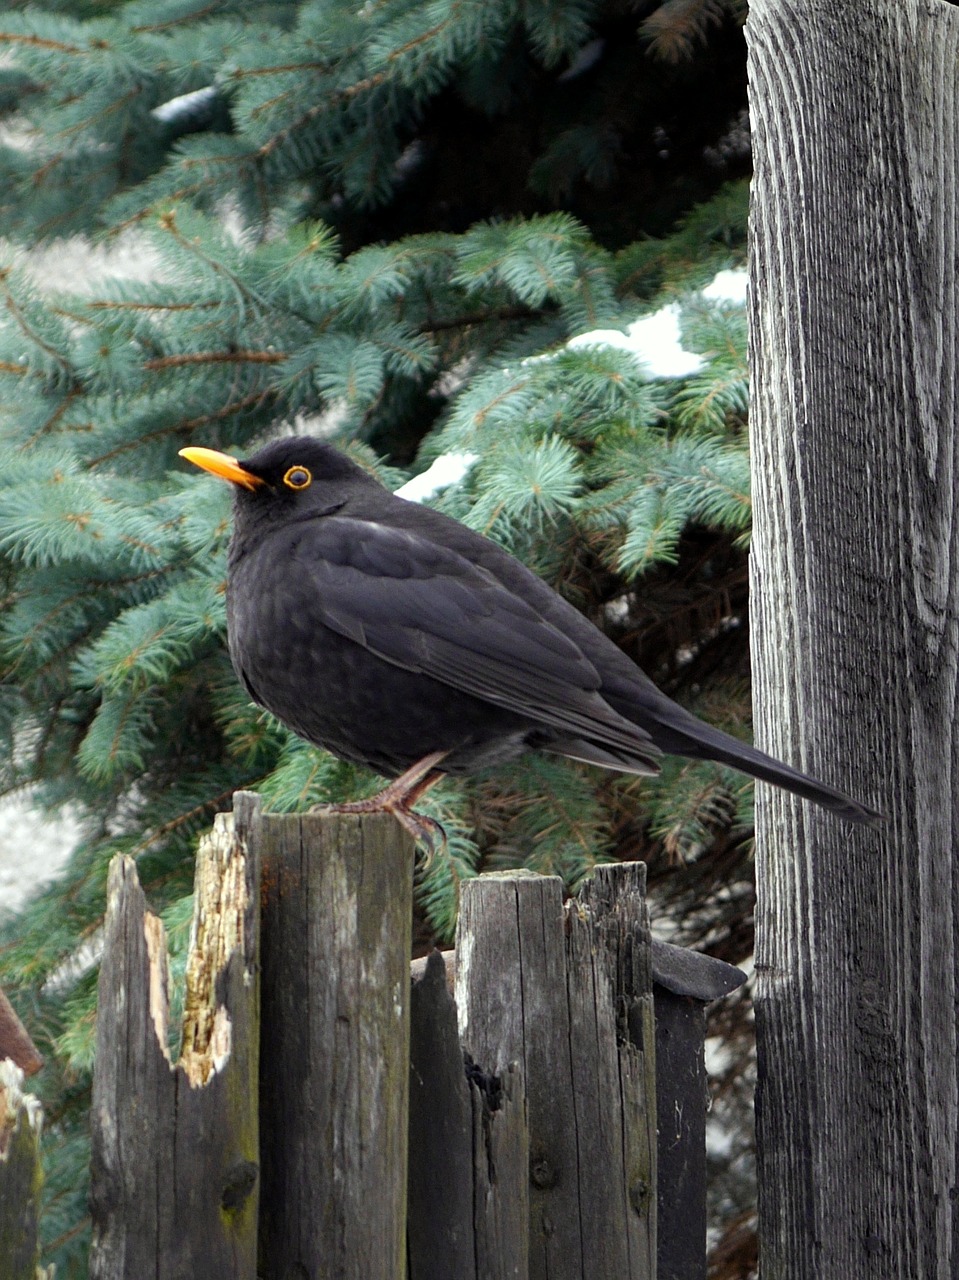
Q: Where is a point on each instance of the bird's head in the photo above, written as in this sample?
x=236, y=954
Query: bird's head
x=295, y=477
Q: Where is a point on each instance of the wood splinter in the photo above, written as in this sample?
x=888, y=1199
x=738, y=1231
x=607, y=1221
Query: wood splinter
x=187, y=1127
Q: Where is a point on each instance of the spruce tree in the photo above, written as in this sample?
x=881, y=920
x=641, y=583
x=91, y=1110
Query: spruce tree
x=384, y=223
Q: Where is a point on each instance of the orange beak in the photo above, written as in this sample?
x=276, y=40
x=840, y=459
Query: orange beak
x=222, y=465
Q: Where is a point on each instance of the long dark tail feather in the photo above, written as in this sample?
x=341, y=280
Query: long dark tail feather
x=682, y=734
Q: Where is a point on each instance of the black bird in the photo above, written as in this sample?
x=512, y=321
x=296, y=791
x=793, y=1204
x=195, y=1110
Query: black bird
x=399, y=639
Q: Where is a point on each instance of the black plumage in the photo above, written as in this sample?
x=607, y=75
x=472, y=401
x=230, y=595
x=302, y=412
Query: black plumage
x=390, y=634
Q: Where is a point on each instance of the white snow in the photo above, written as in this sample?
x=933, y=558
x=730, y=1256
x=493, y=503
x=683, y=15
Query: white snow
x=655, y=338
x=184, y=103
x=33, y=848
x=448, y=468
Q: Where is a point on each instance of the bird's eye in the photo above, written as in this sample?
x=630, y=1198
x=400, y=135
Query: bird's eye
x=298, y=478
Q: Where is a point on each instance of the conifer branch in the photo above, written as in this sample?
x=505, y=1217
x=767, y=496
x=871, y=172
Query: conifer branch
x=22, y=659
x=188, y=425
x=25, y=327
x=279, y=68
x=341, y=95
x=119, y=304
x=168, y=223
x=674, y=29
x=321, y=108
x=468, y=321
x=212, y=805
x=180, y=195
x=78, y=1229
x=215, y=357
x=41, y=42
x=186, y=19
x=72, y=394
x=83, y=126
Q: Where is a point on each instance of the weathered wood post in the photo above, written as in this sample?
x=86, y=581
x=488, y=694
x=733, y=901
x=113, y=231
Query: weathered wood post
x=566, y=994
x=469, y=1149
x=532, y=1119
x=15, y=1042
x=20, y=1176
x=855, y=601
x=469, y=1139
x=337, y=920
x=175, y=1161
x=684, y=982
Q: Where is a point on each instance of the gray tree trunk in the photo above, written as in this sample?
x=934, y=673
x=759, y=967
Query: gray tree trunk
x=855, y=616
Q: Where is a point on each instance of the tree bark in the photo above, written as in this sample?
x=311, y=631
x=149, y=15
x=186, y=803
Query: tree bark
x=855, y=615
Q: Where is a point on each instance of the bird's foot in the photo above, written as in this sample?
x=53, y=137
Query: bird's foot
x=425, y=830
x=398, y=799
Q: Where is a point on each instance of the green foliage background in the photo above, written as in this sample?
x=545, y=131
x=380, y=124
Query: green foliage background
x=383, y=222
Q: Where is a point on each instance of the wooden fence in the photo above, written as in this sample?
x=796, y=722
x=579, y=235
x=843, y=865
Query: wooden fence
x=329, y=1116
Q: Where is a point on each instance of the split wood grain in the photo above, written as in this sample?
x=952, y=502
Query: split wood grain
x=175, y=1163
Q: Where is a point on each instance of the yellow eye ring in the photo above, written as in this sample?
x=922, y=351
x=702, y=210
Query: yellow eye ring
x=298, y=478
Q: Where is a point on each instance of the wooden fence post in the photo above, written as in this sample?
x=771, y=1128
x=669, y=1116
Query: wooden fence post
x=469, y=1149
x=443, y=1182
x=566, y=993
x=337, y=913
x=530, y=1104
x=20, y=1176
x=175, y=1147
x=440, y=1202
x=684, y=982
x=15, y=1043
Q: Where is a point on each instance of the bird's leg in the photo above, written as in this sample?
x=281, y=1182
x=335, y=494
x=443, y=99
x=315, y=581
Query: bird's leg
x=398, y=799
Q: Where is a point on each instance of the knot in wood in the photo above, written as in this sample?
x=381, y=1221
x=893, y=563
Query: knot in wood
x=240, y=1181
x=639, y=1195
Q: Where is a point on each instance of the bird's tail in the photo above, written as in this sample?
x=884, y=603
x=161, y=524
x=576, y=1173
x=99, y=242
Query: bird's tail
x=680, y=733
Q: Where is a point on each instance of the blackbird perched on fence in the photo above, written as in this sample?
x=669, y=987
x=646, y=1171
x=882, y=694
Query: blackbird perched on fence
x=399, y=639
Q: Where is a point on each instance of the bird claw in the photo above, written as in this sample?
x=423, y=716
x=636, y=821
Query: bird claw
x=397, y=798
x=426, y=831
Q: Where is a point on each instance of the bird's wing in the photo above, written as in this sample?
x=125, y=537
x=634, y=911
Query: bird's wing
x=425, y=608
